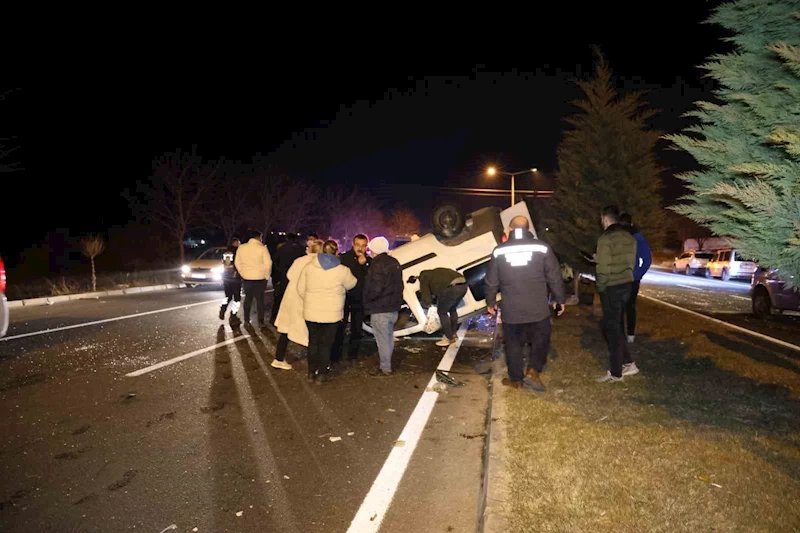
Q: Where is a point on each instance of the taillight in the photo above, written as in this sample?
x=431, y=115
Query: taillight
x=2, y=277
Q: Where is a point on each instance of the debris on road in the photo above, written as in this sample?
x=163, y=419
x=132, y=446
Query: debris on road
x=391, y=410
x=399, y=443
x=335, y=439
x=285, y=477
x=240, y=513
x=172, y=526
x=351, y=433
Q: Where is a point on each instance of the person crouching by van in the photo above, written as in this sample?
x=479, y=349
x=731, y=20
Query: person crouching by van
x=449, y=287
x=382, y=298
x=290, y=322
x=322, y=286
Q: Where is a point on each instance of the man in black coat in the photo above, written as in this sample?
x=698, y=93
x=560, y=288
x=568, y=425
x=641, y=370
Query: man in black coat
x=284, y=258
x=358, y=262
x=382, y=298
x=232, y=282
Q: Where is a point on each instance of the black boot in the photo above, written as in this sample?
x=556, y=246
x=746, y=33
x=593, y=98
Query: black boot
x=222, y=309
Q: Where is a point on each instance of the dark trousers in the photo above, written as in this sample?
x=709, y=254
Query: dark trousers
x=447, y=306
x=280, y=350
x=233, y=291
x=254, y=290
x=356, y=313
x=515, y=336
x=320, y=341
x=615, y=299
x=277, y=298
x=630, y=309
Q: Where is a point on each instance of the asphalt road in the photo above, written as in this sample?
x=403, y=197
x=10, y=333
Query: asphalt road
x=220, y=441
x=725, y=300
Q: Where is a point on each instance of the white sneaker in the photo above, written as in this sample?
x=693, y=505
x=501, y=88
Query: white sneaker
x=630, y=369
x=283, y=365
x=608, y=378
x=444, y=342
x=630, y=339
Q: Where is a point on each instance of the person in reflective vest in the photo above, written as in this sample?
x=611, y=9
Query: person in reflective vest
x=522, y=269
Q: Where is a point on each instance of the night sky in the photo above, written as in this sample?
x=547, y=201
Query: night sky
x=360, y=112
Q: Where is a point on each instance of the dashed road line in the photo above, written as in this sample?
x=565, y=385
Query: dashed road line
x=183, y=357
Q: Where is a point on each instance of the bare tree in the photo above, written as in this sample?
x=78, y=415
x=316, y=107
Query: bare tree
x=350, y=212
x=172, y=195
x=404, y=223
x=231, y=192
x=6, y=150
x=701, y=241
x=92, y=246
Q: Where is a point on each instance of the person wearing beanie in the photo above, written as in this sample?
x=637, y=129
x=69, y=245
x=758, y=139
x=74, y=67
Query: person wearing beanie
x=382, y=298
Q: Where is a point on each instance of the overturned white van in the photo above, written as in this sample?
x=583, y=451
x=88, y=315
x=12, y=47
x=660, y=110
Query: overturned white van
x=464, y=244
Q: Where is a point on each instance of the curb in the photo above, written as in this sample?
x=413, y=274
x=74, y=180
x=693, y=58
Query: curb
x=50, y=300
x=492, y=519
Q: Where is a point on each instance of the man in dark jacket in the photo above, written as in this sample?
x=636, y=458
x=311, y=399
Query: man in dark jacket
x=283, y=260
x=232, y=283
x=358, y=262
x=382, y=298
x=522, y=269
x=643, y=261
x=449, y=288
x=616, y=256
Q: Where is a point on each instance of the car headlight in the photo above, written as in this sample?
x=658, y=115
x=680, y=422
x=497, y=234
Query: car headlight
x=218, y=269
x=185, y=269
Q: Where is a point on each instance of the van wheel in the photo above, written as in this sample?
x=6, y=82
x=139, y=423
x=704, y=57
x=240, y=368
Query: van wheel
x=762, y=307
x=725, y=274
x=688, y=271
x=447, y=221
x=674, y=268
x=708, y=273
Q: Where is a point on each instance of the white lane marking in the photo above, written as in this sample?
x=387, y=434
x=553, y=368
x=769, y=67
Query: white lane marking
x=688, y=287
x=183, y=357
x=95, y=322
x=740, y=297
x=379, y=498
x=727, y=324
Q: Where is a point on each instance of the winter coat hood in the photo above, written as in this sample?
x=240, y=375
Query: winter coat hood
x=328, y=261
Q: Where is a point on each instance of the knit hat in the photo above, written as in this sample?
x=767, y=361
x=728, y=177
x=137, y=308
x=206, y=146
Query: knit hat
x=379, y=245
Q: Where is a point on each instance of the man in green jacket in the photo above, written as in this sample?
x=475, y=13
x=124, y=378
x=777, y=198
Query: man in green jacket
x=616, y=257
x=449, y=287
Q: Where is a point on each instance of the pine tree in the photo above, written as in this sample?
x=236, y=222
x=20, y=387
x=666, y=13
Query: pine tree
x=748, y=144
x=608, y=157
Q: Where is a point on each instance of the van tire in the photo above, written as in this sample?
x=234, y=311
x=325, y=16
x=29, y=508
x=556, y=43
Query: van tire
x=447, y=221
x=725, y=274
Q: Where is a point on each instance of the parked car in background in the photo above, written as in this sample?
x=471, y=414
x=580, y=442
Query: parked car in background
x=690, y=261
x=462, y=243
x=769, y=294
x=3, y=300
x=206, y=269
x=728, y=264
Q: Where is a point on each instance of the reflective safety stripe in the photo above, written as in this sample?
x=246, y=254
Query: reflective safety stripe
x=520, y=254
x=234, y=307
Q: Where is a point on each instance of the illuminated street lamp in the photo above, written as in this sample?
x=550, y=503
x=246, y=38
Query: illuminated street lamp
x=492, y=171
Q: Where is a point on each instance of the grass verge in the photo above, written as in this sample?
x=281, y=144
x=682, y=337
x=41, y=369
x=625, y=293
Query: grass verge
x=705, y=438
x=78, y=284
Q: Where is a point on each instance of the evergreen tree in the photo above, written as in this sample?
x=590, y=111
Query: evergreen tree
x=748, y=144
x=608, y=157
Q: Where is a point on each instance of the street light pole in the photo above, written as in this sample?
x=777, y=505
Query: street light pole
x=492, y=171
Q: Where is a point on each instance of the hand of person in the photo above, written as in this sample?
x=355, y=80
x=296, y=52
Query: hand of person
x=492, y=309
x=362, y=259
x=559, y=308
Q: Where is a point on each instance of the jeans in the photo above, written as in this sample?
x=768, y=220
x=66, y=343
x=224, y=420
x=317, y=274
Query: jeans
x=280, y=350
x=630, y=309
x=254, y=290
x=277, y=298
x=614, y=301
x=447, y=305
x=320, y=341
x=383, y=326
x=515, y=336
x=356, y=313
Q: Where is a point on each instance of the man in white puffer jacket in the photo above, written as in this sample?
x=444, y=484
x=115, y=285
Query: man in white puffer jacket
x=254, y=265
x=323, y=284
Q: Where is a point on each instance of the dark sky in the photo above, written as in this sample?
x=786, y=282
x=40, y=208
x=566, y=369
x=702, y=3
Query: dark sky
x=360, y=112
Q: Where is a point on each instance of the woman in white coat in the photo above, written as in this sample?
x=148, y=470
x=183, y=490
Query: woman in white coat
x=290, y=322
